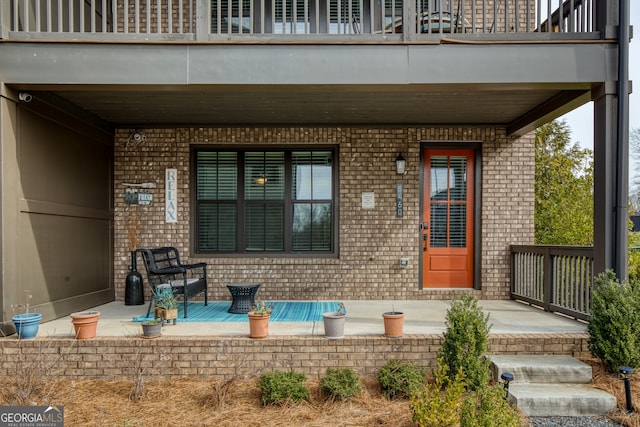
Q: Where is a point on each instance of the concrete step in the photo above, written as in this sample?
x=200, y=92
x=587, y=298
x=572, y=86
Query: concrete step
x=552, y=385
x=541, y=369
x=568, y=400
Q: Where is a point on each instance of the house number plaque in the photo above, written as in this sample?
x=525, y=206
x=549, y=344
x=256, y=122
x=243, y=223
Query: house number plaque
x=398, y=199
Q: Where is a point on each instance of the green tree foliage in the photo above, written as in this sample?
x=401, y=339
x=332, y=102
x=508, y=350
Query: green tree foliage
x=563, y=188
x=634, y=201
x=634, y=257
x=634, y=168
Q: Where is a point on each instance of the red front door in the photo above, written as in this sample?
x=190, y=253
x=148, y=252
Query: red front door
x=447, y=219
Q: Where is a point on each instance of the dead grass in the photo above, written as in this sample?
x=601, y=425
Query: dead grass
x=199, y=402
x=196, y=402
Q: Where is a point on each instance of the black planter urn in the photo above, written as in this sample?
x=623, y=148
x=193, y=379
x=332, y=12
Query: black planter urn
x=133, y=291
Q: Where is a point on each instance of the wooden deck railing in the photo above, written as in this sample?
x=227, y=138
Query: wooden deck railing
x=207, y=20
x=556, y=278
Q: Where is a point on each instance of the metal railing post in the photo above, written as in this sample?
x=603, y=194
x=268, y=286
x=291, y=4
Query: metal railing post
x=547, y=280
x=203, y=19
x=409, y=16
x=5, y=19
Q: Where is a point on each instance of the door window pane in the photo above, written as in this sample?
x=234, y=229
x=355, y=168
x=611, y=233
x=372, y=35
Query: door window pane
x=439, y=178
x=458, y=222
x=438, y=226
x=458, y=176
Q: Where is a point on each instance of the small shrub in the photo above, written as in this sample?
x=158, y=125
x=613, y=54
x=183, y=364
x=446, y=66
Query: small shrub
x=437, y=406
x=281, y=387
x=487, y=407
x=614, y=329
x=340, y=383
x=400, y=378
x=466, y=342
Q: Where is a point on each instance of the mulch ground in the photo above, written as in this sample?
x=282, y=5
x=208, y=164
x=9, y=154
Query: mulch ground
x=196, y=402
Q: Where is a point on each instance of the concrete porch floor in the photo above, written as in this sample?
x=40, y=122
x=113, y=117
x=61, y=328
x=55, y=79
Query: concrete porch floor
x=363, y=318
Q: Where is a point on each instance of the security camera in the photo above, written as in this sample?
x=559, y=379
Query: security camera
x=25, y=96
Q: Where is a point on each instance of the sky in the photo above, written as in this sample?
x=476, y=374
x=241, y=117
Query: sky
x=580, y=120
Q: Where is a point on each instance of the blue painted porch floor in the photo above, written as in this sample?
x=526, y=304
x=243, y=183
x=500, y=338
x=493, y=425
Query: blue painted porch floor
x=363, y=318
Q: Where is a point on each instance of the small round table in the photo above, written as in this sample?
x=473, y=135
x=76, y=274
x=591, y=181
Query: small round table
x=243, y=297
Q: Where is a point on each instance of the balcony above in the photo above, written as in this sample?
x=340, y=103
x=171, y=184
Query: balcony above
x=299, y=20
x=509, y=63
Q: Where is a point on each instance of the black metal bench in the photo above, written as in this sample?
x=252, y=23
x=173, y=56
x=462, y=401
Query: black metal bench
x=164, y=267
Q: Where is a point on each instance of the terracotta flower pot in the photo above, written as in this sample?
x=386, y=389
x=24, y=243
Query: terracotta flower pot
x=85, y=323
x=258, y=325
x=393, y=323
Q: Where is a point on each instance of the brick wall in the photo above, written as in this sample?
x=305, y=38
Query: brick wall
x=224, y=358
x=371, y=241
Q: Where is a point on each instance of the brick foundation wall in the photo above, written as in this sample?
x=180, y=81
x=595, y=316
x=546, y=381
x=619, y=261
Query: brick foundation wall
x=371, y=242
x=224, y=358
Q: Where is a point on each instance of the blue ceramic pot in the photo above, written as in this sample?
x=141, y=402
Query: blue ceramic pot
x=27, y=324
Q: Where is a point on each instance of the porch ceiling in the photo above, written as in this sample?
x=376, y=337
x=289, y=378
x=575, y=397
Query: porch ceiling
x=517, y=108
x=517, y=86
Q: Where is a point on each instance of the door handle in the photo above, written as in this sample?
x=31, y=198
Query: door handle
x=425, y=242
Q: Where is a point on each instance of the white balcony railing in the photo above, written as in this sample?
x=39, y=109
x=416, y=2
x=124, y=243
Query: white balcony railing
x=215, y=19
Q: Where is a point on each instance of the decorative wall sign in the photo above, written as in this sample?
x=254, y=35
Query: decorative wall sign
x=171, y=195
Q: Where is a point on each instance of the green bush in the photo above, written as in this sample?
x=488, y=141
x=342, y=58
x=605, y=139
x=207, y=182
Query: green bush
x=435, y=405
x=614, y=329
x=487, y=407
x=340, y=383
x=634, y=266
x=401, y=378
x=466, y=342
x=280, y=387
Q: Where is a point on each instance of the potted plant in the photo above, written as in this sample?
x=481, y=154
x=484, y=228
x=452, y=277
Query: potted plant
x=27, y=324
x=334, y=322
x=166, y=306
x=151, y=328
x=259, y=319
x=85, y=323
x=393, y=323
